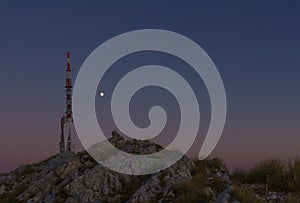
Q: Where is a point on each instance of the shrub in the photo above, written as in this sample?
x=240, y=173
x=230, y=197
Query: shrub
x=27, y=170
x=192, y=190
x=283, y=176
x=245, y=195
x=240, y=176
x=199, y=167
x=275, y=169
x=11, y=197
x=293, y=176
x=218, y=185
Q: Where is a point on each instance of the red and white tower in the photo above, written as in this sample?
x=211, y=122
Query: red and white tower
x=66, y=137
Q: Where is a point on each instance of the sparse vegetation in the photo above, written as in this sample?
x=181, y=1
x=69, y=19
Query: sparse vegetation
x=27, y=170
x=11, y=197
x=194, y=190
x=218, y=185
x=283, y=176
x=293, y=175
x=245, y=195
x=293, y=198
x=249, y=185
x=272, y=168
x=208, y=165
x=269, y=181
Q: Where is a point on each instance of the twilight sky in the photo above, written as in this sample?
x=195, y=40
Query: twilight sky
x=255, y=46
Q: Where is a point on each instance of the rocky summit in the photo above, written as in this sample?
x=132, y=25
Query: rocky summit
x=79, y=178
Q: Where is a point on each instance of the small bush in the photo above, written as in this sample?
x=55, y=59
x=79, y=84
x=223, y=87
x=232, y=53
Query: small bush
x=202, y=166
x=275, y=169
x=240, y=176
x=192, y=190
x=218, y=185
x=293, y=176
x=215, y=163
x=283, y=176
x=11, y=198
x=199, y=167
x=245, y=195
x=272, y=168
x=27, y=170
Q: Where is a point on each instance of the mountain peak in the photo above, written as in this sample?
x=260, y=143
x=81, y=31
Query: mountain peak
x=79, y=178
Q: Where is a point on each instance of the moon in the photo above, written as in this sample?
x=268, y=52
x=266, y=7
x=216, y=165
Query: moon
x=101, y=94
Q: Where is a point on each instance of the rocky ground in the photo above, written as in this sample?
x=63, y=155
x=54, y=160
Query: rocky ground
x=78, y=178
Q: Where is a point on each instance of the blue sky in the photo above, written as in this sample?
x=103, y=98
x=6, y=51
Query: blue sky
x=254, y=44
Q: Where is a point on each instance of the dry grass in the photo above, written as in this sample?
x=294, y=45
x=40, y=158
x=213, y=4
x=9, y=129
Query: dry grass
x=283, y=176
x=245, y=195
x=293, y=175
x=192, y=190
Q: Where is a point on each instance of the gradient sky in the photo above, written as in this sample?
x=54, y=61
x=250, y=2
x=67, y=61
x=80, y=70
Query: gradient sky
x=254, y=44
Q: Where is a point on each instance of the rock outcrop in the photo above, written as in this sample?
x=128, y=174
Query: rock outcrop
x=79, y=178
